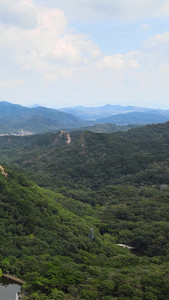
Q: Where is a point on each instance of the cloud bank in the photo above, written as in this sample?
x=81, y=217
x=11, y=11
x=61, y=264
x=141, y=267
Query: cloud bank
x=37, y=39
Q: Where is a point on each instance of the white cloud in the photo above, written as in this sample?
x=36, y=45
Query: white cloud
x=48, y=49
x=154, y=53
x=53, y=49
x=11, y=83
x=118, y=62
x=20, y=13
x=164, y=9
x=165, y=69
x=50, y=46
x=145, y=26
x=160, y=41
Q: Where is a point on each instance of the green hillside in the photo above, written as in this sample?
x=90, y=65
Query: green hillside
x=116, y=184
x=46, y=244
x=139, y=156
x=4, y=128
x=16, y=118
x=139, y=118
x=107, y=128
x=46, y=240
x=57, y=163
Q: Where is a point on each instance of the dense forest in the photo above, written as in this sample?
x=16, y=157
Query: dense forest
x=139, y=156
x=107, y=128
x=68, y=199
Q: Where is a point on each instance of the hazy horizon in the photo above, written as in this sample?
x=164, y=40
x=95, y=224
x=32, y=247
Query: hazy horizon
x=85, y=106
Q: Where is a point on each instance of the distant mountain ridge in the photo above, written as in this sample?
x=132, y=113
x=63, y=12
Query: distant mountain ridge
x=39, y=119
x=95, y=113
x=139, y=118
x=18, y=119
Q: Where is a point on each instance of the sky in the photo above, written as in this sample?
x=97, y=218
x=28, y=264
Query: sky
x=89, y=52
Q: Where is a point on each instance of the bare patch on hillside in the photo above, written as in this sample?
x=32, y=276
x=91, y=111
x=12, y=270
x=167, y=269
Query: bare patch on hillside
x=68, y=138
x=63, y=134
x=3, y=172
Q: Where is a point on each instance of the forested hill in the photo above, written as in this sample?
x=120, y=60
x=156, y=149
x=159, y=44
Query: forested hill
x=63, y=242
x=16, y=118
x=49, y=245
x=107, y=128
x=139, y=156
x=135, y=118
x=47, y=240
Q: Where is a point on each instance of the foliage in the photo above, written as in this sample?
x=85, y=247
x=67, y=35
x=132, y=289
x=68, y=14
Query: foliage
x=139, y=157
x=107, y=128
x=113, y=183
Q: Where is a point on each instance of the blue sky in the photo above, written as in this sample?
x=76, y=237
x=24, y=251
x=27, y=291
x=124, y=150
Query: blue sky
x=67, y=53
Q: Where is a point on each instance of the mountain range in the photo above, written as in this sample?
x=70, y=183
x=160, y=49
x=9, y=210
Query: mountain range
x=100, y=112
x=139, y=118
x=17, y=119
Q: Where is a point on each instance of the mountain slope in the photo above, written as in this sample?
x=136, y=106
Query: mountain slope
x=52, y=247
x=16, y=119
x=91, y=159
x=94, y=113
x=47, y=238
x=107, y=128
x=38, y=119
x=139, y=118
x=75, y=162
x=43, y=242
